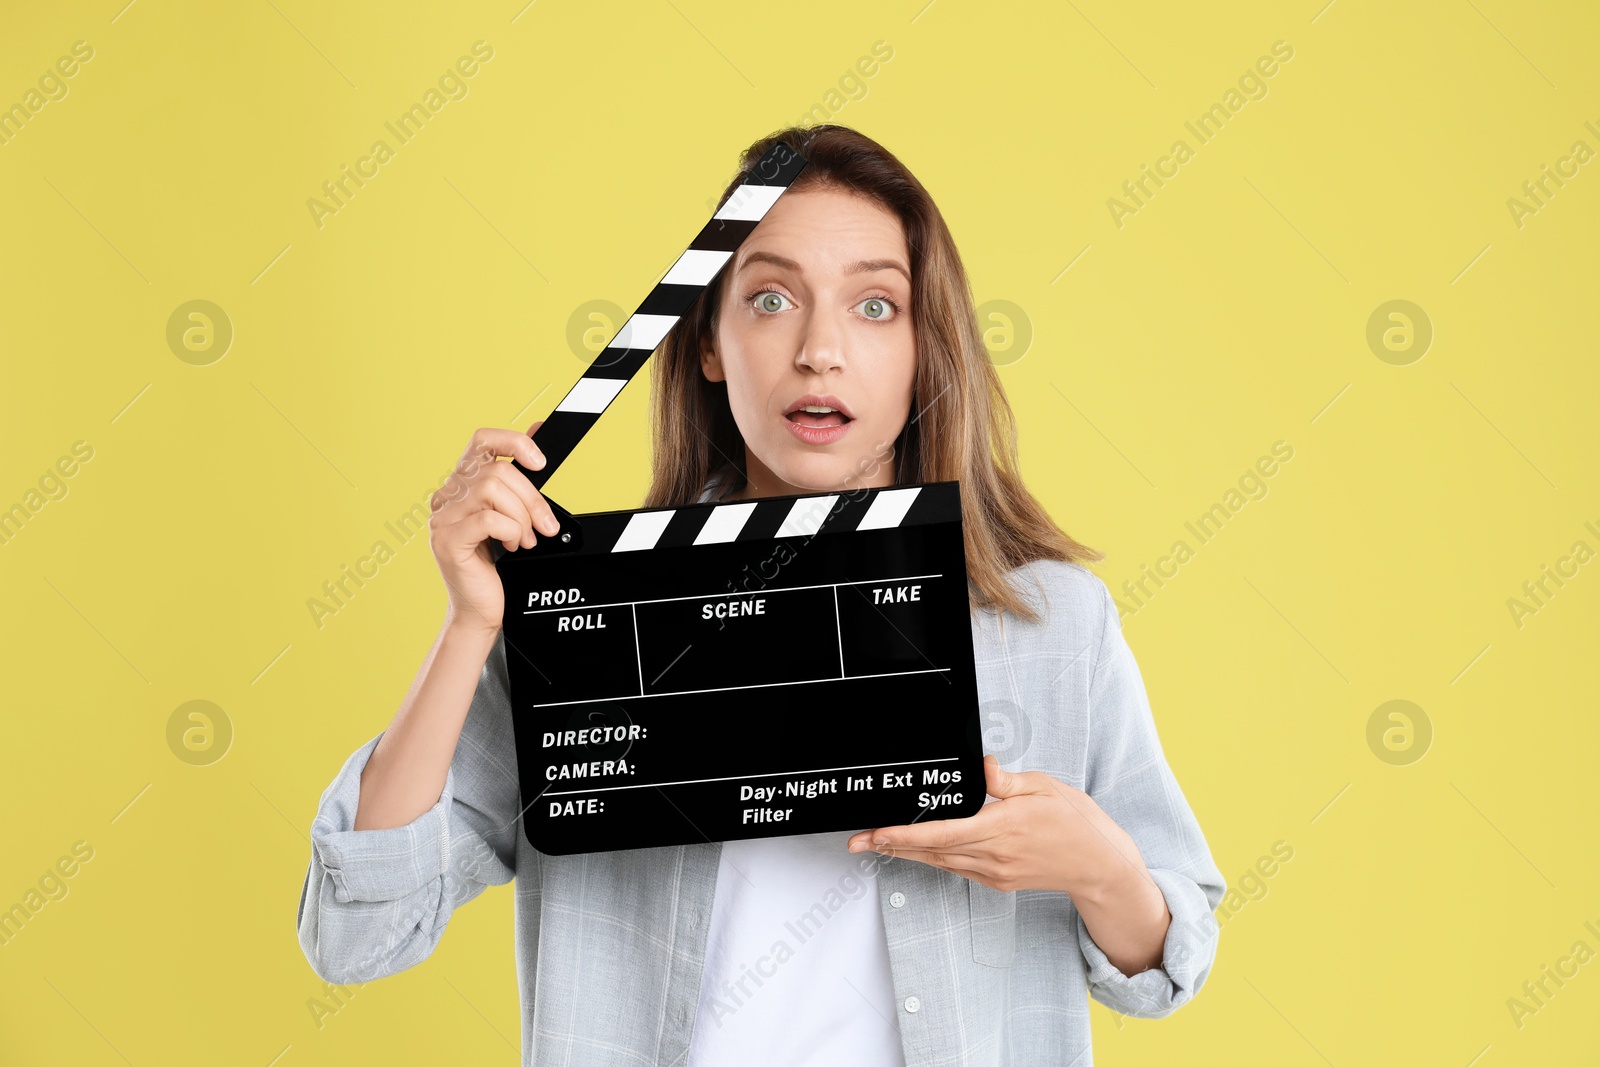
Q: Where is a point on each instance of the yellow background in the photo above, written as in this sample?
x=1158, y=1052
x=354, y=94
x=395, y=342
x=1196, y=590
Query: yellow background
x=1230, y=312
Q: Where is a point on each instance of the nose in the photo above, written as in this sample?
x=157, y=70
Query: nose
x=822, y=347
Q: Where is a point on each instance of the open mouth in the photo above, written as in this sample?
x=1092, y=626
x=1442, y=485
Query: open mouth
x=817, y=419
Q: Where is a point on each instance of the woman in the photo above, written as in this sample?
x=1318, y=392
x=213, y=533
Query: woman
x=838, y=349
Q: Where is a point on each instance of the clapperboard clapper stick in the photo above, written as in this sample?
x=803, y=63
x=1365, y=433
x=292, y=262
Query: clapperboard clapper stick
x=787, y=665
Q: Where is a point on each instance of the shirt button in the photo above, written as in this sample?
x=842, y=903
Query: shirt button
x=912, y=1004
x=898, y=900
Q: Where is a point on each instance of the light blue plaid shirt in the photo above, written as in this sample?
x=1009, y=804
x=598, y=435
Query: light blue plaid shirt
x=611, y=945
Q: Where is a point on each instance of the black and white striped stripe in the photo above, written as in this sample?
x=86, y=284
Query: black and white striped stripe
x=677, y=290
x=861, y=510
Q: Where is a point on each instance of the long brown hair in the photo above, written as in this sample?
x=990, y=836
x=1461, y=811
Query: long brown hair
x=961, y=427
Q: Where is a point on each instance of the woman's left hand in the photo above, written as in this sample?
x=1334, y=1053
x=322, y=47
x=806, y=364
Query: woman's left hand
x=1039, y=834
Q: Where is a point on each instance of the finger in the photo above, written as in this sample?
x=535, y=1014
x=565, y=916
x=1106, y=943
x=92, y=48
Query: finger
x=490, y=495
x=489, y=489
x=485, y=447
x=538, y=508
x=479, y=526
x=1002, y=783
x=940, y=833
x=454, y=488
x=498, y=492
x=950, y=861
x=536, y=513
x=979, y=867
x=492, y=442
x=535, y=427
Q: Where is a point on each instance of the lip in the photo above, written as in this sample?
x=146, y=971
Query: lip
x=818, y=435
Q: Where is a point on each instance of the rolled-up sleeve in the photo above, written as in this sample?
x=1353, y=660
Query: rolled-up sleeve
x=376, y=902
x=1128, y=777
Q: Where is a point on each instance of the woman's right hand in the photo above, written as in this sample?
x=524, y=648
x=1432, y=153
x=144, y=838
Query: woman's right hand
x=486, y=500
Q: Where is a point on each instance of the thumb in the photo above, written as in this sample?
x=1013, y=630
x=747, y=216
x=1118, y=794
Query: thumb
x=1000, y=782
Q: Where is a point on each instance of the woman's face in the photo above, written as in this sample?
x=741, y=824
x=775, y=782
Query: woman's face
x=817, y=303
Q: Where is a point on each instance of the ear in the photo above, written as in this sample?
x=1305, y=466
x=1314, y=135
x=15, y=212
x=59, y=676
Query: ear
x=710, y=362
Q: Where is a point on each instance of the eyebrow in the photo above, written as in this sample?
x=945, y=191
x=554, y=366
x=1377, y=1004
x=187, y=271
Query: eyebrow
x=860, y=266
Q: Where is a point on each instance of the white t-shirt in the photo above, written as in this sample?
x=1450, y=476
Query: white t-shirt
x=797, y=966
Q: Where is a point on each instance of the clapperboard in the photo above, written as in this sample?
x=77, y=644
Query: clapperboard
x=788, y=665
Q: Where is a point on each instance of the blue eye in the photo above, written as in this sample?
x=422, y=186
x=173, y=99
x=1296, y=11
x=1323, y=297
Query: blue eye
x=771, y=300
